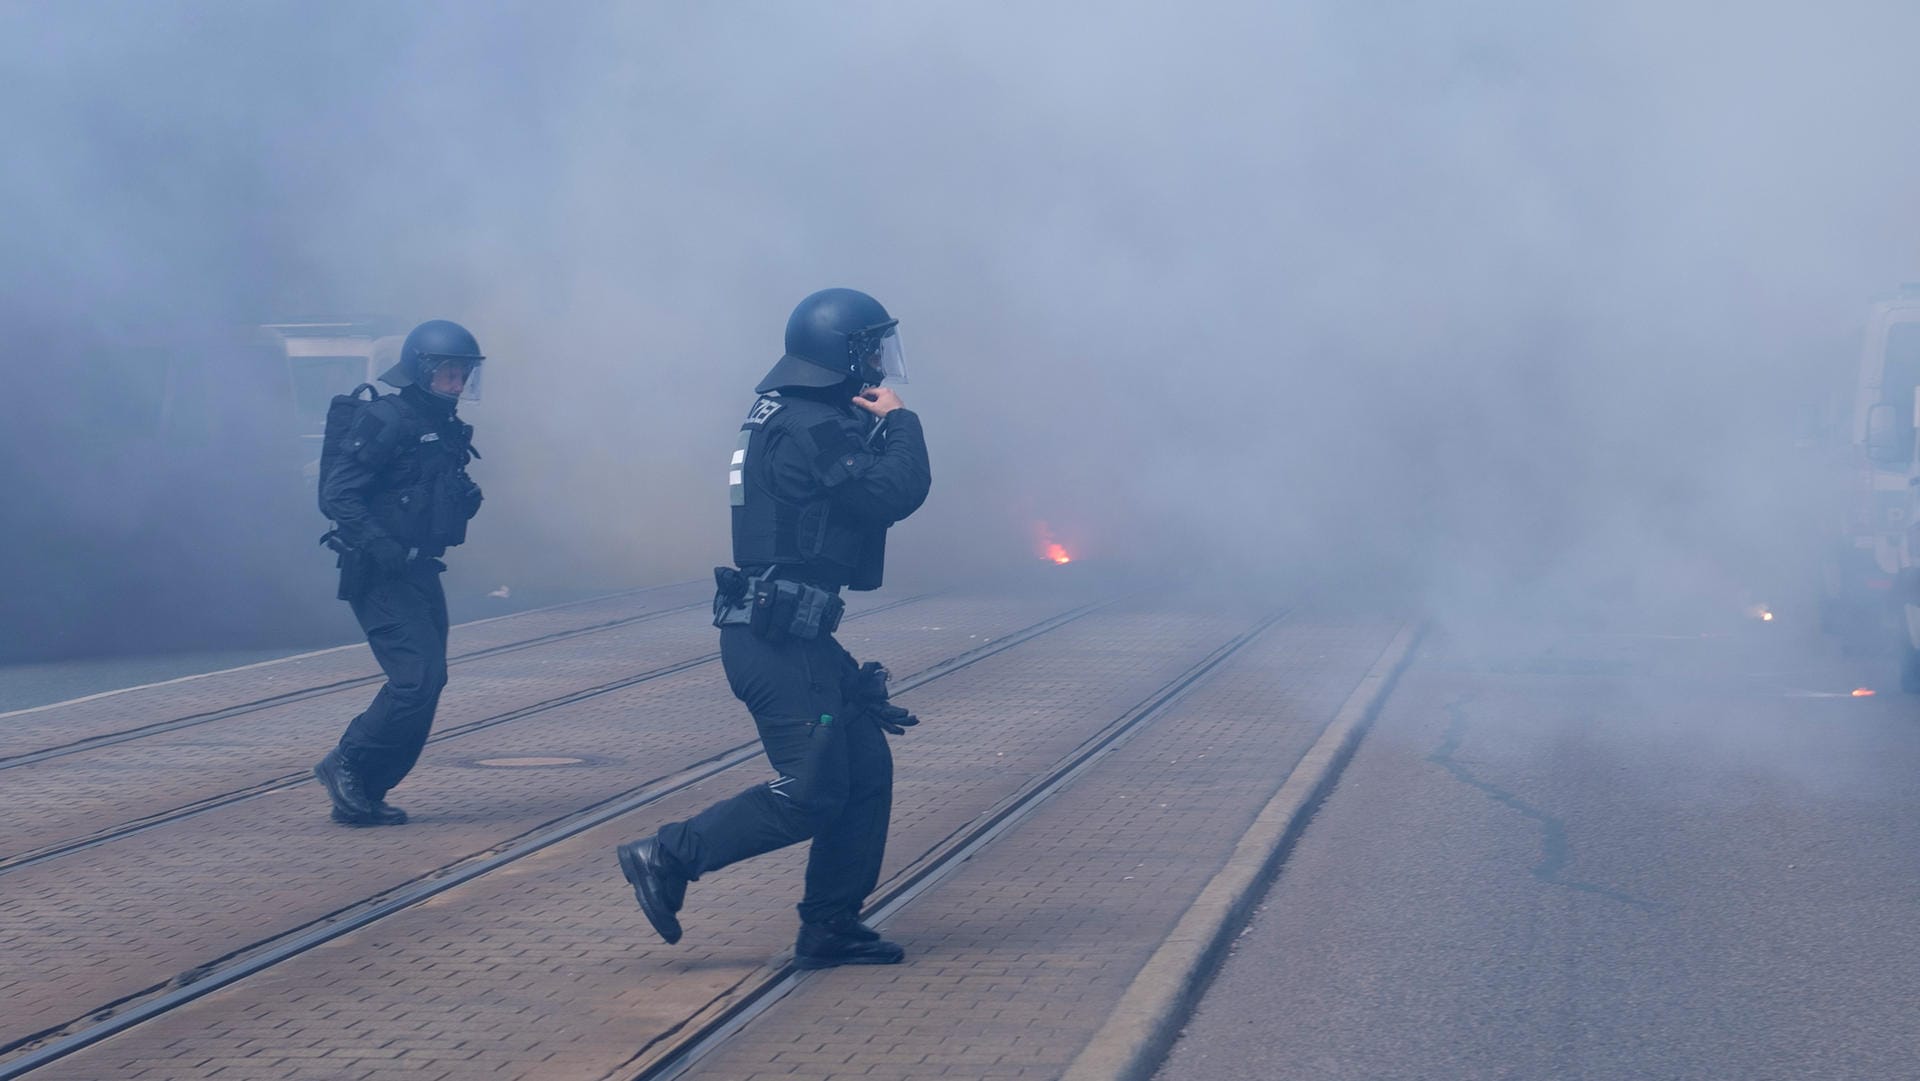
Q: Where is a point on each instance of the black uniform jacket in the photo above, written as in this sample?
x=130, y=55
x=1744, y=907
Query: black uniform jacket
x=400, y=446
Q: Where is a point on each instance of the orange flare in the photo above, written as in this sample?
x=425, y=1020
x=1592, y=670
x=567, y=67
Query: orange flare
x=1058, y=554
x=1863, y=692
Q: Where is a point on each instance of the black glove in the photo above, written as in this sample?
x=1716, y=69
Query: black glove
x=867, y=688
x=470, y=496
x=892, y=719
x=388, y=556
x=868, y=684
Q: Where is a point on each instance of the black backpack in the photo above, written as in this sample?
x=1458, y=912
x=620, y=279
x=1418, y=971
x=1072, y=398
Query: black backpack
x=342, y=414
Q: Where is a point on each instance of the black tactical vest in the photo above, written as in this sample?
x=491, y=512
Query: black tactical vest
x=801, y=531
x=421, y=482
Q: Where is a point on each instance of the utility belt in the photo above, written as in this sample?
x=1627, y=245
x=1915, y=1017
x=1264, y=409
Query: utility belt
x=773, y=608
x=357, y=572
x=332, y=540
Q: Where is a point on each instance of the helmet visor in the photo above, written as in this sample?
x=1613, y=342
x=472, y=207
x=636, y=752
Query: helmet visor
x=887, y=357
x=455, y=378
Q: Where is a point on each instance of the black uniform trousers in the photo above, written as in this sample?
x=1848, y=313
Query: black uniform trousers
x=833, y=776
x=405, y=619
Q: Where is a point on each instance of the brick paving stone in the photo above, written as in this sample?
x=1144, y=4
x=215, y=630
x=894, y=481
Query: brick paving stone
x=1046, y=928
x=24, y=731
x=551, y=956
x=112, y=920
x=69, y=798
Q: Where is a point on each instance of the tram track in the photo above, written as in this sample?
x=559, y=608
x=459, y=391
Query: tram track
x=190, y=720
x=675, y=1052
x=127, y=828
x=106, y=1020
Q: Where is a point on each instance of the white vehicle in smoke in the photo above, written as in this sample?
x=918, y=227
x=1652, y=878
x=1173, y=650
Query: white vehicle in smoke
x=1873, y=576
x=325, y=359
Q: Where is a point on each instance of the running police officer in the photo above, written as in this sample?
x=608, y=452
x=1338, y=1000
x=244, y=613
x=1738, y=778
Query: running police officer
x=827, y=460
x=394, y=482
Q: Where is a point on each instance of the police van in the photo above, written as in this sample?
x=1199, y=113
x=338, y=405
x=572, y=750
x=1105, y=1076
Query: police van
x=328, y=358
x=1870, y=574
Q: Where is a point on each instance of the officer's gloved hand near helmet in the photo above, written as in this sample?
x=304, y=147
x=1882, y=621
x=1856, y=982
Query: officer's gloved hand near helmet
x=867, y=689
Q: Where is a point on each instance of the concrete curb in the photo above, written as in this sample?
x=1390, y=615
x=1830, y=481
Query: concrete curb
x=1137, y=1035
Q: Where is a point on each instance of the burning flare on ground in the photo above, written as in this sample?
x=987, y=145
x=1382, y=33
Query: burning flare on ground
x=1051, y=550
x=1863, y=692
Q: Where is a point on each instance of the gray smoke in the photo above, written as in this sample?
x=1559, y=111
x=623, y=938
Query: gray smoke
x=1480, y=302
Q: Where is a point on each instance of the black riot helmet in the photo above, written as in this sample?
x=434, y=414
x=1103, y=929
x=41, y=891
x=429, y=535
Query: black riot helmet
x=838, y=336
x=430, y=345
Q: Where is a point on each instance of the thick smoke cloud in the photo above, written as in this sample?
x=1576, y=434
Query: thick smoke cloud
x=1482, y=302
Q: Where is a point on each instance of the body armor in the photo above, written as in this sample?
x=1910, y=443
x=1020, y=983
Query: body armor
x=796, y=526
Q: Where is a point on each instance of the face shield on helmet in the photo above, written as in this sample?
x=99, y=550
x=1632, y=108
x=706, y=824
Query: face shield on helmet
x=452, y=378
x=883, y=358
x=893, y=360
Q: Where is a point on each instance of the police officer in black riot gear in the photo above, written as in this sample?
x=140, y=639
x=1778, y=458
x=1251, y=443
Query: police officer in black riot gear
x=827, y=460
x=398, y=493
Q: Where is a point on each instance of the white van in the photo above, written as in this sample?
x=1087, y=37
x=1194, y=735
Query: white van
x=1868, y=574
x=325, y=359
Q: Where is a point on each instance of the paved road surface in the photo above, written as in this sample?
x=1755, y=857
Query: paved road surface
x=1569, y=856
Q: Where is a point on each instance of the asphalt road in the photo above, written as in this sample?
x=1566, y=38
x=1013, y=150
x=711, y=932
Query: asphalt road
x=1674, y=851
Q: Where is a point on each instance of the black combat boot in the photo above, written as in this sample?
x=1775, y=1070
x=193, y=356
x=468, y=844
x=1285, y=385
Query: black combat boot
x=851, y=926
x=826, y=945
x=350, y=799
x=658, y=885
x=384, y=814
